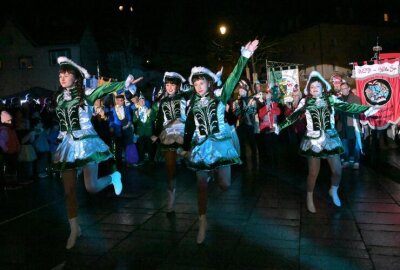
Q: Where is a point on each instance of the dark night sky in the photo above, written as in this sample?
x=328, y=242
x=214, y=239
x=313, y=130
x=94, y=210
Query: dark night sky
x=185, y=27
x=171, y=28
x=188, y=18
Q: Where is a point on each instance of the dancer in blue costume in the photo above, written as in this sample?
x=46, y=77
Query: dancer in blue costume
x=208, y=144
x=80, y=145
x=321, y=140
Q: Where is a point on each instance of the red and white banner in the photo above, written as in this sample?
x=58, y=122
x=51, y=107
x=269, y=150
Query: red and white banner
x=379, y=84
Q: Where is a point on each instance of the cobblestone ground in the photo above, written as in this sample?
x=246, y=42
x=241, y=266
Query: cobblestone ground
x=261, y=222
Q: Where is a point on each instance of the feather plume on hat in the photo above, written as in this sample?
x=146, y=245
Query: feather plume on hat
x=173, y=75
x=62, y=60
x=202, y=71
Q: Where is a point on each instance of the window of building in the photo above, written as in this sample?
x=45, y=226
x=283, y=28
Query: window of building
x=314, y=45
x=385, y=17
x=351, y=13
x=25, y=62
x=54, y=54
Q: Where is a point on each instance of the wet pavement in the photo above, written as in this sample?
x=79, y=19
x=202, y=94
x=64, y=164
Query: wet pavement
x=261, y=222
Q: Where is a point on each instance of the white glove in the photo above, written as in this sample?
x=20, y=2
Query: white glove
x=128, y=80
x=372, y=110
x=277, y=130
x=248, y=50
x=219, y=76
x=245, y=52
x=218, y=92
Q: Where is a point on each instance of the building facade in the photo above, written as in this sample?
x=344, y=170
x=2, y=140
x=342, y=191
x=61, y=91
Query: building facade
x=26, y=63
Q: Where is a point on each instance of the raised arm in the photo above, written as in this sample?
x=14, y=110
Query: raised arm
x=246, y=52
x=294, y=116
x=110, y=87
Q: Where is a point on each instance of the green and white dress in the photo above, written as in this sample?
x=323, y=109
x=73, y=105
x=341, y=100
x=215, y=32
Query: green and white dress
x=80, y=143
x=207, y=133
x=170, y=121
x=321, y=139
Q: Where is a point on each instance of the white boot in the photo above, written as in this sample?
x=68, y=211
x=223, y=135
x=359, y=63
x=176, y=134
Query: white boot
x=310, y=202
x=202, y=229
x=116, y=181
x=170, y=200
x=335, y=197
x=75, y=232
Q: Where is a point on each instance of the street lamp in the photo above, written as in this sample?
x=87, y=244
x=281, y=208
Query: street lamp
x=222, y=29
x=125, y=4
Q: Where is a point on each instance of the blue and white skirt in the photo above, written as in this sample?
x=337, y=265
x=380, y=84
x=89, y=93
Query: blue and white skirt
x=75, y=152
x=325, y=146
x=213, y=153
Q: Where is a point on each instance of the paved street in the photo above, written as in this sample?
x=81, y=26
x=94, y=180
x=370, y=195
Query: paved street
x=261, y=222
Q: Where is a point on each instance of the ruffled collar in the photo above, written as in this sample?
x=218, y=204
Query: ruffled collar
x=206, y=95
x=318, y=101
x=70, y=93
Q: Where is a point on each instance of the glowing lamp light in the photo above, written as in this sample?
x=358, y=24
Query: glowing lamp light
x=131, y=9
x=121, y=8
x=222, y=29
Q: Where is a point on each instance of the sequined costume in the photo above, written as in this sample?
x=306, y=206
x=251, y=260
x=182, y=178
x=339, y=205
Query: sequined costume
x=170, y=121
x=80, y=143
x=206, y=130
x=321, y=138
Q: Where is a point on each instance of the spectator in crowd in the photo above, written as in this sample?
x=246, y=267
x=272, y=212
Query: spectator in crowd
x=143, y=119
x=245, y=111
x=122, y=127
x=348, y=126
x=9, y=149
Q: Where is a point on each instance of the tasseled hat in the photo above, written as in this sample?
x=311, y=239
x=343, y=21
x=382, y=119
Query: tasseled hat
x=202, y=71
x=317, y=74
x=64, y=61
x=5, y=117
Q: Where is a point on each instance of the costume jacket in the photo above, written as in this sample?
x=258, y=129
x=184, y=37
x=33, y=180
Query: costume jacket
x=321, y=138
x=80, y=143
x=206, y=132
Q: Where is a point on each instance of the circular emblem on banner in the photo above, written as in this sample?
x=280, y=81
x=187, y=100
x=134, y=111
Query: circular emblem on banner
x=377, y=91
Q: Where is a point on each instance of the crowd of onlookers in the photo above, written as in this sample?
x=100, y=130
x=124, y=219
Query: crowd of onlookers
x=125, y=121
x=28, y=134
